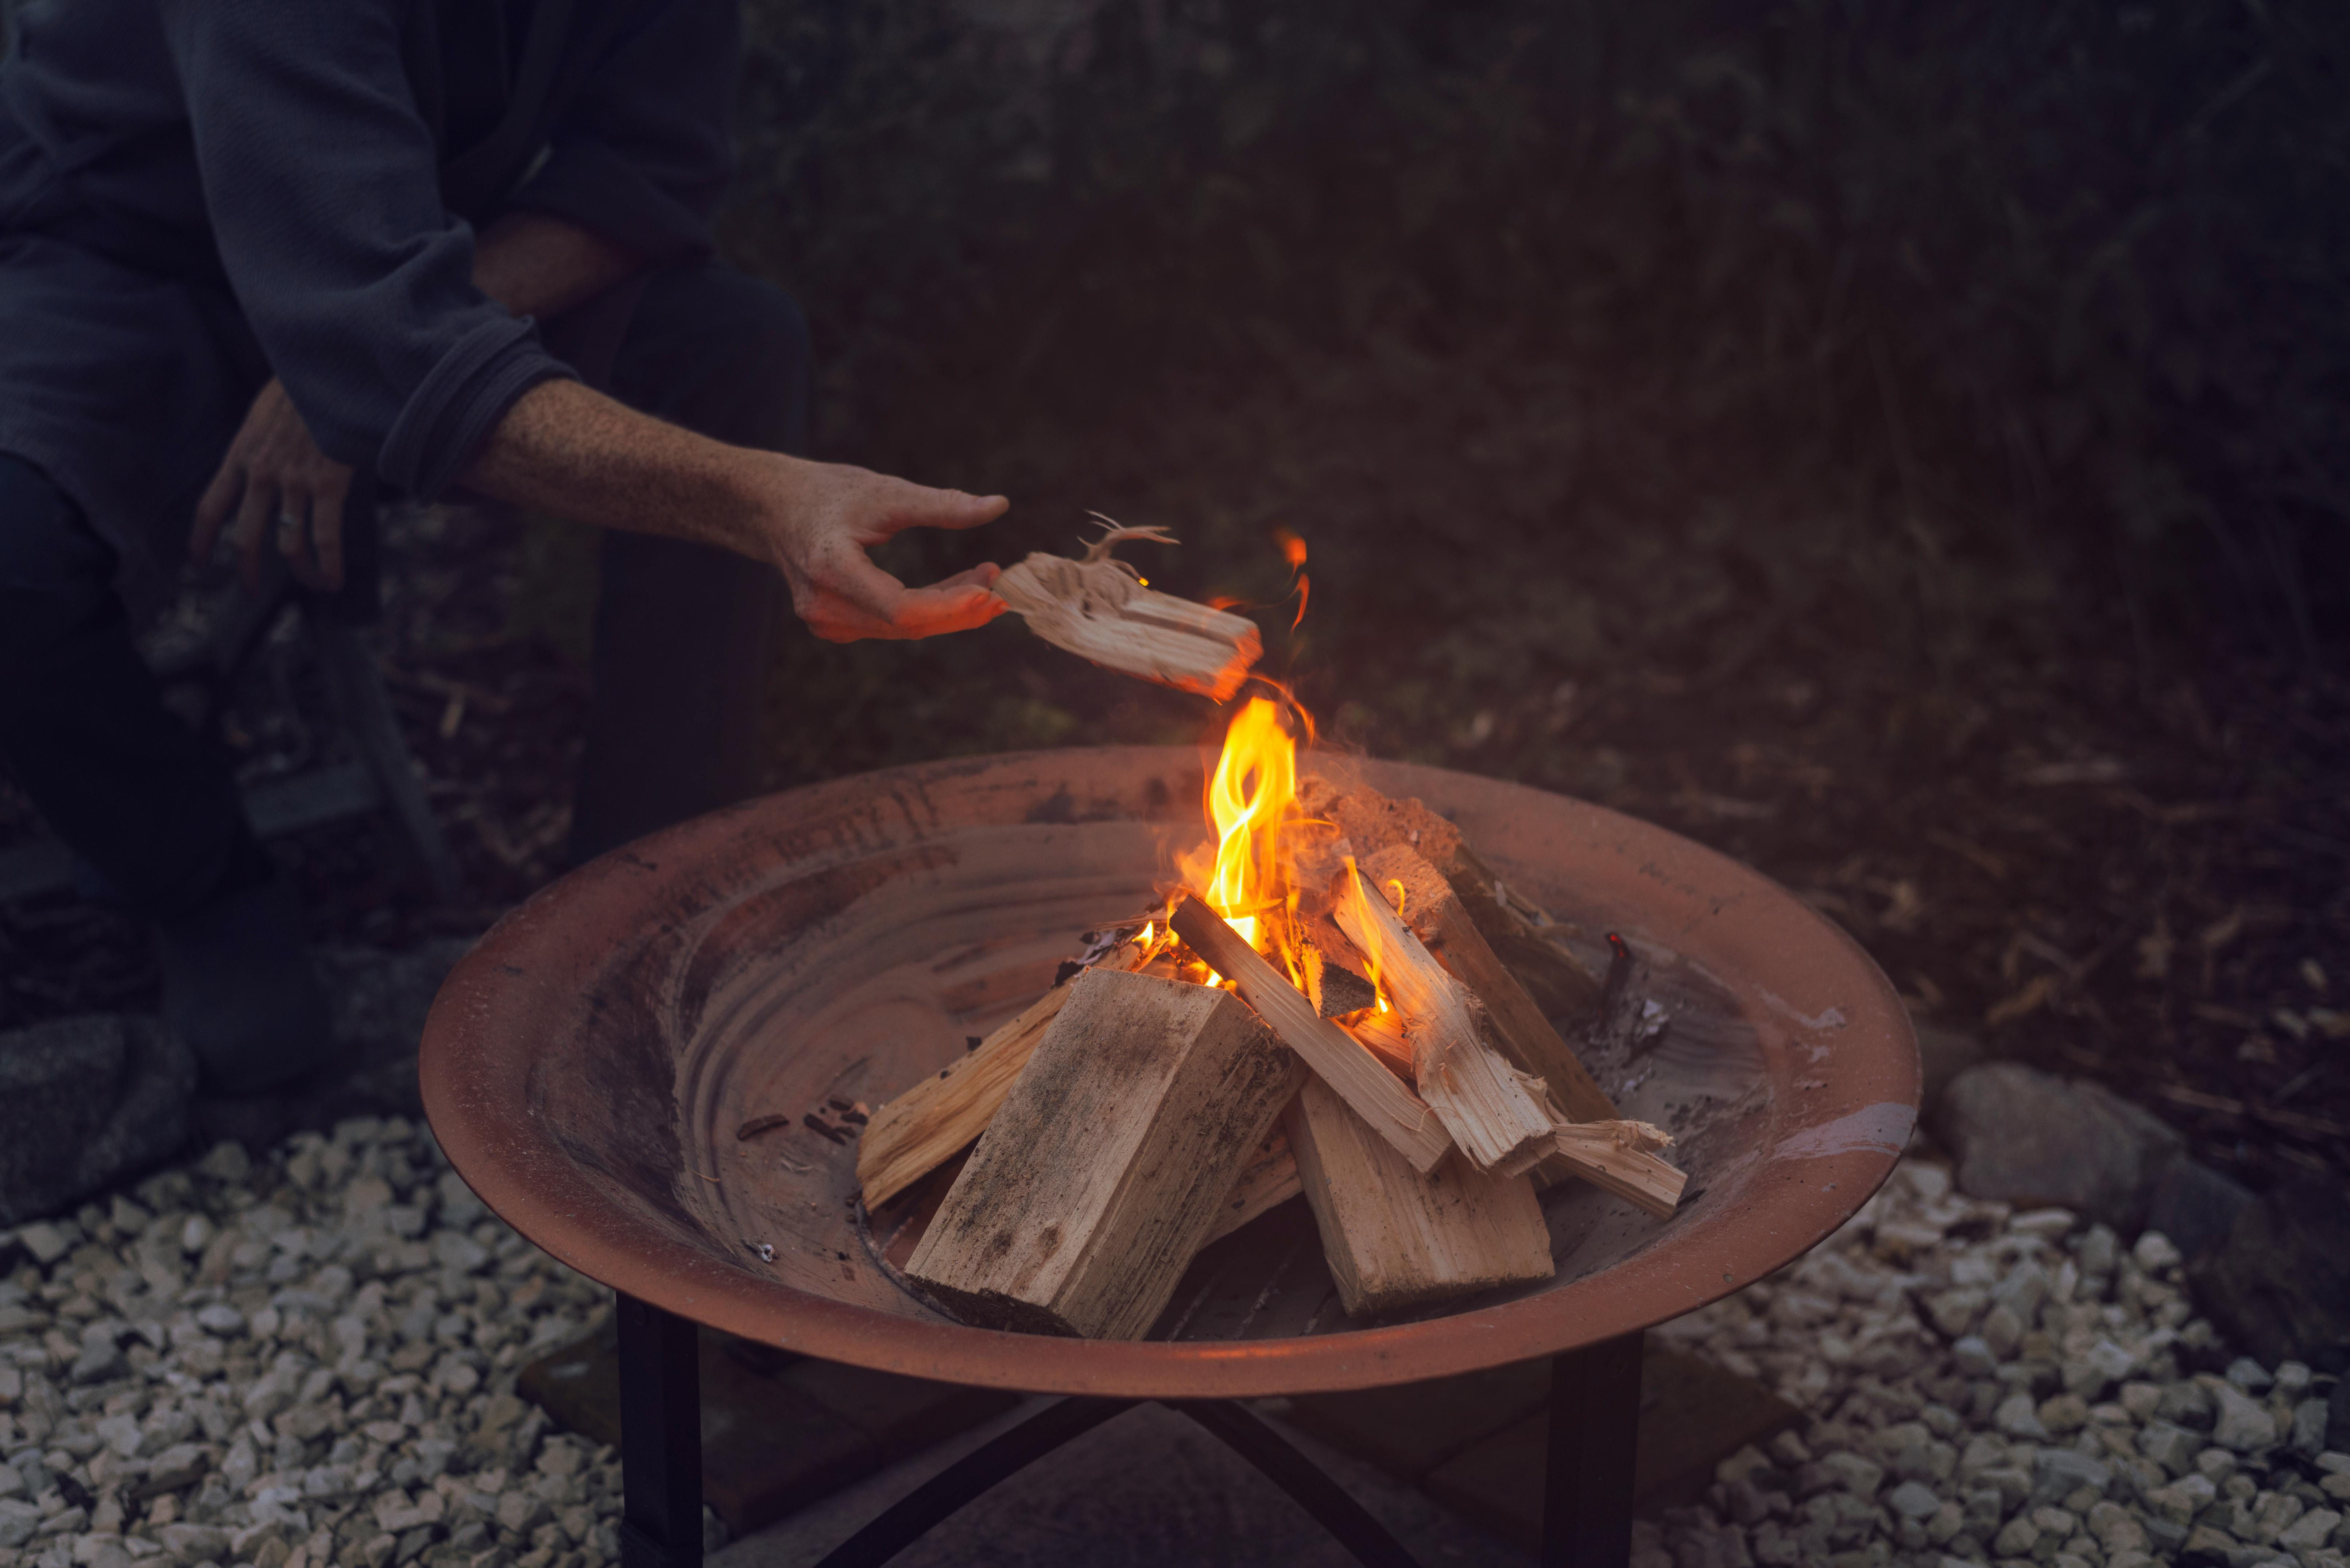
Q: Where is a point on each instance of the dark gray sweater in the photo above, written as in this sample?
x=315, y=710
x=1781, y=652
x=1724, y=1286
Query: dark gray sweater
x=311, y=171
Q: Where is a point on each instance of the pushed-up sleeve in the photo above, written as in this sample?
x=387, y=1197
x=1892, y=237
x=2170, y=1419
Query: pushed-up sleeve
x=323, y=187
x=642, y=154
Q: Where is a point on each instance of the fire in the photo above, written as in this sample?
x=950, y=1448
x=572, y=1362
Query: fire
x=1252, y=878
x=1251, y=794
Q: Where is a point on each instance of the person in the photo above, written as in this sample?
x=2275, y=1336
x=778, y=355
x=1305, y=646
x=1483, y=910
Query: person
x=257, y=257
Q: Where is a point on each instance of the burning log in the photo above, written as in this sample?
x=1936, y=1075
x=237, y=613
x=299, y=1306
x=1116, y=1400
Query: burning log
x=922, y=1128
x=1561, y=987
x=1381, y=1033
x=1435, y=913
x=1390, y=1109
x=1332, y=985
x=1107, y=1166
x=1100, y=609
x=1495, y=1114
x=1619, y=1156
x=1395, y=1237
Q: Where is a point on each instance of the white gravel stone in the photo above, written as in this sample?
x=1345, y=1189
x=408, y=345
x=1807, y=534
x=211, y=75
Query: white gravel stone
x=252, y=1364
x=2242, y=1423
x=2023, y=1390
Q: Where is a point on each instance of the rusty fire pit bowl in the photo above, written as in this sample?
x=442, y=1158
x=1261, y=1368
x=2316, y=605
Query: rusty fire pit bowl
x=587, y=1066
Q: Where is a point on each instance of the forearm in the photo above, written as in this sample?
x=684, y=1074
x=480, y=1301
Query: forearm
x=576, y=453
x=566, y=449
x=538, y=265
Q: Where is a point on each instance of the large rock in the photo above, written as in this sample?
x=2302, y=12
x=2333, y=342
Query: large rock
x=2030, y=1138
x=2195, y=1206
x=84, y=1103
x=2279, y=1287
x=1943, y=1054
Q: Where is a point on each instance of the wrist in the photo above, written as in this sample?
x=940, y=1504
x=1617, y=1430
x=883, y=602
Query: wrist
x=765, y=496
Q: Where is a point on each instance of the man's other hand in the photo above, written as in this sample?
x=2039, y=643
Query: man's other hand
x=826, y=515
x=279, y=483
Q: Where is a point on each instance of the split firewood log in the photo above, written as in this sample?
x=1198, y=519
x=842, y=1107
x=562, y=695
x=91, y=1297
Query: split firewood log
x=1395, y=1237
x=1099, y=610
x=1495, y=1113
x=1386, y=1105
x=1591, y=1142
x=1558, y=983
x=924, y=1127
x=1434, y=911
x=1266, y=1182
x=1624, y=1157
x=1107, y=1166
x=1333, y=971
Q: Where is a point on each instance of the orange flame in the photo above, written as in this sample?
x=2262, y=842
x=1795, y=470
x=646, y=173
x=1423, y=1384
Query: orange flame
x=1292, y=550
x=1254, y=791
x=1358, y=896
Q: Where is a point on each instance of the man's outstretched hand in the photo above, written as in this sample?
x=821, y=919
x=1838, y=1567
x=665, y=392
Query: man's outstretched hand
x=576, y=453
x=832, y=514
x=280, y=484
x=569, y=451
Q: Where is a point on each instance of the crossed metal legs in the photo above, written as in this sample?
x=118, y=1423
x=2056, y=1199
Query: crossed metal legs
x=1587, y=1510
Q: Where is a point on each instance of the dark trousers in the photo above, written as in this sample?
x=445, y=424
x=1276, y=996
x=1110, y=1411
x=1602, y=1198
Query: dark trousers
x=682, y=633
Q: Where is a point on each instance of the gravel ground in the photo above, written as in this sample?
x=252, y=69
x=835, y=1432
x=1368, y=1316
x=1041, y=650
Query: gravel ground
x=1985, y=1385
x=310, y=1361
x=305, y=1361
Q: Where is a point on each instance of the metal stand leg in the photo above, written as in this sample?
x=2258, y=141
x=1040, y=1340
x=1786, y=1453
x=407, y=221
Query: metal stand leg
x=660, y=1438
x=1332, y=1505
x=1594, y=1424
x=906, y=1520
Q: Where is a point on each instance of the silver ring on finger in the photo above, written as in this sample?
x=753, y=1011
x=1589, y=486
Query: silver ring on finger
x=289, y=530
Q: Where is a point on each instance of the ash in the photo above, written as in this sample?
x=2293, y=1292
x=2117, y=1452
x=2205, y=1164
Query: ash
x=303, y=1361
x=1983, y=1386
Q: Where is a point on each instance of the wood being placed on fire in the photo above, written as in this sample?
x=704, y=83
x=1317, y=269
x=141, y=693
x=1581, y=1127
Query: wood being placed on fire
x=1100, y=609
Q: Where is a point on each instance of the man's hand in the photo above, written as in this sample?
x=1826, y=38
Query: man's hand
x=826, y=515
x=287, y=487
x=566, y=449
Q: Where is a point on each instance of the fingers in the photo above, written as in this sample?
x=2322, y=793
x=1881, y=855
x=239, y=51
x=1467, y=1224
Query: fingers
x=932, y=612
x=916, y=613
x=279, y=488
x=854, y=599
x=214, y=509
x=982, y=575
x=297, y=515
x=327, y=528
x=255, y=516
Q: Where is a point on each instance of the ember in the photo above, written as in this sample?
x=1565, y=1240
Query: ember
x=1375, y=1055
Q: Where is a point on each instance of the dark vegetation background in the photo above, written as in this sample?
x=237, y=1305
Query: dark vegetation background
x=1901, y=444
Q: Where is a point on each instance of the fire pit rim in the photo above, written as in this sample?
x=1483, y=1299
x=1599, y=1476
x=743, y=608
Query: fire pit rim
x=545, y=1194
